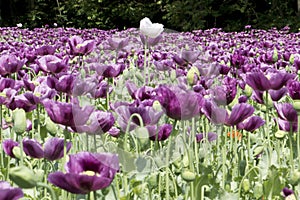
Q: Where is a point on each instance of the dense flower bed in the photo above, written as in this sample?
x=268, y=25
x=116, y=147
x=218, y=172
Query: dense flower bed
x=146, y=114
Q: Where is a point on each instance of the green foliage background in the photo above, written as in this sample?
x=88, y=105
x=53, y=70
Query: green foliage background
x=231, y=15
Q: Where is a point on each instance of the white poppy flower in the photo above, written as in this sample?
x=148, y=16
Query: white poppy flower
x=150, y=29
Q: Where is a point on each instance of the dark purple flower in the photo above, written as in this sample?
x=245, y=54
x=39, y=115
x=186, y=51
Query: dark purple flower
x=280, y=79
x=114, y=131
x=6, y=83
x=45, y=50
x=251, y=124
x=99, y=122
x=210, y=136
x=239, y=113
x=86, y=172
x=52, y=64
x=8, y=146
x=179, y=103
x=80, y=47
x=293, y=87
x=243, y=99
x=54, y=148
x=27, y=101
x=67, y=114
x=118, y=43
x=64, y=83
x=33, y=148
x=150, y=41
x=159, y=133
x=109, y=71
x=215, y=114
x=187, y=57
x=9, y=193
x=258, y=81
x=276, y=95
x=287, y=116
x=10, y=64
x=287, y=192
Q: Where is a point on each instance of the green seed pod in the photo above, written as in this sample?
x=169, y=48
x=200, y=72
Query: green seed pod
x=51, y=126
x=242, y=167
x=152, y=180
x=296, y=105
x=173, y=75
x=157, y=106
x=248, y=91
x=258, y=190
x=19, y=120
x=275, y=55
x=23, y=177
x=246, y=185
x=292, y=59
x=17, y=152
x=295, y=177
x=258, y=150
x=188, y=175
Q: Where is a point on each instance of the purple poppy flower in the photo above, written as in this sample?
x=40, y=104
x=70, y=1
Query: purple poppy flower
x=287, y=193
x=52, y=64
x=9, y=193
x=8, y=146
x=251, y=124
x=239, y=113
x=33, y=148
x=99, y=122
x=293, y=87
x=114, y=131
x=109, y=71
x=287, y=116
x=45, y=50
x=65, y=83
x=210, y=136
x=80, y=47
x=280, y=79
x=86, y=172
x=276, y=95
x=118, y=43
x=147, y=113
x=150, y=41
x=187, y=57
x=27, y=101
x=10, y=64
x=258, y=81
x=179, y=103
x=215, y=114
x=67, y=114
x=54, y=148
x=6, y=83
x=243, y=99
x=161, y=133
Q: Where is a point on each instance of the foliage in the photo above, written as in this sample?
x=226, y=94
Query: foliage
x=180, y=15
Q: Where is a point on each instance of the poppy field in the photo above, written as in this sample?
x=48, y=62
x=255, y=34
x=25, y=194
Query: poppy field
x=149, y=113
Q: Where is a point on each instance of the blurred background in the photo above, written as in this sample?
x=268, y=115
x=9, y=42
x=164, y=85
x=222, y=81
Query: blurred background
x=231, y=15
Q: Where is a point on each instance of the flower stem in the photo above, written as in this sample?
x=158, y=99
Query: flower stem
x=52, y=193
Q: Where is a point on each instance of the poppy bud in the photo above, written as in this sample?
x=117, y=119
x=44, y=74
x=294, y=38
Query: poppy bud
x=275, y=55
x=23, y=177
x=192, y=75
x=292, y=59
x=19, y=119
x=51, y=126
x=295, y=177
x=296, y=105
x=248, y=91
x=17, y=152
x=246, y=185
x=258, y=190
x=188, y=175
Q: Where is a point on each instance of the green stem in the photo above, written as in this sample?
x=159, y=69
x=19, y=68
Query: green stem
x=50, y=190
x=298, y=142
x=291, y=148
x=167, y=166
